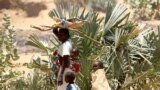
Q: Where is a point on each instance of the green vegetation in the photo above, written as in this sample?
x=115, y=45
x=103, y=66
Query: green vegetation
x=129, y=62
x=8, y=52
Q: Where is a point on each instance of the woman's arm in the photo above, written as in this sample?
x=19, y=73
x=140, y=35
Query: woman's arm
x=55, y=31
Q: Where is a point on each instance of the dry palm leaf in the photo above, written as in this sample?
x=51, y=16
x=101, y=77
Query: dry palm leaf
x=72, y=24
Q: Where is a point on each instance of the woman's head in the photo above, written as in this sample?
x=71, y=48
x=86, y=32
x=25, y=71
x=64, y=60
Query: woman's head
x=69, y=76
x=61, y=33
x=97, y=65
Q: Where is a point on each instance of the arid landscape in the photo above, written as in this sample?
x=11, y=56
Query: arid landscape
x=24, y=13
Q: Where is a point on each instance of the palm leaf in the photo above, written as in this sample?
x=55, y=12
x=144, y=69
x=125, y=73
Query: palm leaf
x=34, y=41
x=116, y=15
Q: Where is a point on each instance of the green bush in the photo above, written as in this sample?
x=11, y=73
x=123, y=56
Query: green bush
x=8, y=51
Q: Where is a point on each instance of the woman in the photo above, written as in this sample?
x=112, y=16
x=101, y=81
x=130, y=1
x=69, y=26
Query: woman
x=64, y=52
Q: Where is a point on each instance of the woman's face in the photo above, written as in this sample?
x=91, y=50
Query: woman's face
x=95, y=66
x=62, y=36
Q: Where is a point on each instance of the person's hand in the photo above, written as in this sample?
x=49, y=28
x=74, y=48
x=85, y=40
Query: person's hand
x=60, y=80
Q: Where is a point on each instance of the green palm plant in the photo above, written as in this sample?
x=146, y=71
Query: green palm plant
x=46, y=47
x=146, y=78
x=152, y=40
x=88, y=52
x=123, y=52
x=36, y=62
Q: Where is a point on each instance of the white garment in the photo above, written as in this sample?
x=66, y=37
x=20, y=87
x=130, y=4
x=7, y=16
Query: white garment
x=65, y=48
x=99, y=80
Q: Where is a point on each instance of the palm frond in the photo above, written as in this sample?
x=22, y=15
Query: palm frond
x=116, y=15
x=34, y=41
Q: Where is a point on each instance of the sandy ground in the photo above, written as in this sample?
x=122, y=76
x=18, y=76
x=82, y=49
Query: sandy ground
x=21, y=21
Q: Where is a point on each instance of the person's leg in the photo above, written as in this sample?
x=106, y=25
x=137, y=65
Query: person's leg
x=64, y=85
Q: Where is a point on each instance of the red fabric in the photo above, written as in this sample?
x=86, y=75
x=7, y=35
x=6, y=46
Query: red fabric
x=55, y=53
x=76, y=67
x=59, y=60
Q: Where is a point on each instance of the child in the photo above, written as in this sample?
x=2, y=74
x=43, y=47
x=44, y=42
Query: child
x=74, y=60
x=69, y=78
x=99, y=80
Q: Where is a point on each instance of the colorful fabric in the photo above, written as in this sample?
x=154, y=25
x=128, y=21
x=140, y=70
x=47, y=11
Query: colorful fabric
x=72, y=86
x=76, y=67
